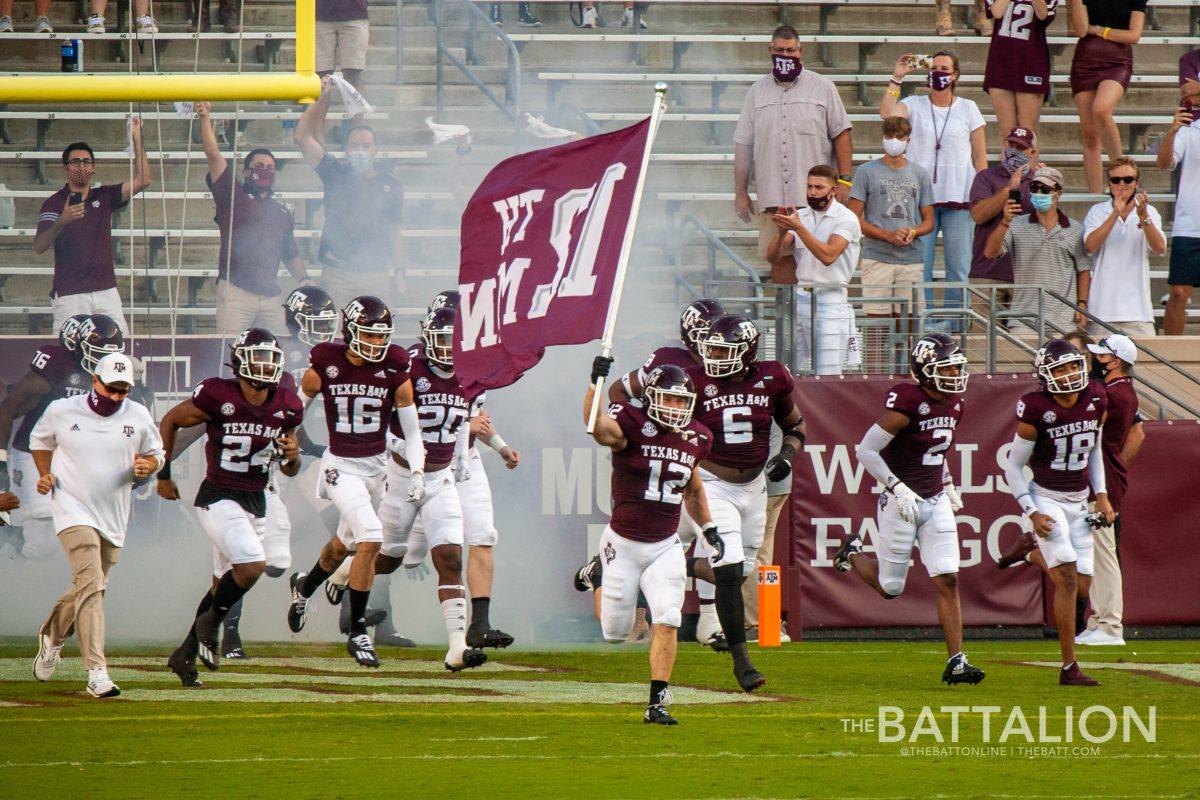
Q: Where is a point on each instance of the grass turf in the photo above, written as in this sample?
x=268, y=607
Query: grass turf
x=302, y=722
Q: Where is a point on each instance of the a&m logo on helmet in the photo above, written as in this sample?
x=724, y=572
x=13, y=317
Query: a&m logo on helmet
x=354, y=309
x=924, y=350
x=423, y=384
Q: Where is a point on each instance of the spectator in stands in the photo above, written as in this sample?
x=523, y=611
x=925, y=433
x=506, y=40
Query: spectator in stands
x=41, y=11
x=893, y=199
x=826, y=237
x=256, y=234
x=77, y=220
x=1120, y=243
x=341, y=39
x=948, y=141
x=591, y=17
x=944, y=26
x=1181, y=150
x=1017, y=77
x=1100, y=73
x=791, y=120
x=1047, y=252
x=95, y=22
x=360, y=243
x=989, y=193
x=524, y=18
x=229, y=15
x=1189, y=72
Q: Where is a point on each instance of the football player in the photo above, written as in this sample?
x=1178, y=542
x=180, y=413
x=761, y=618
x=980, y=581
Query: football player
x=906, y=452
x=694, y=322
x=1058, y=436
x=247, y=418
x=656, y=450
x=55, y=371
x=362, y=380
x=738, y=397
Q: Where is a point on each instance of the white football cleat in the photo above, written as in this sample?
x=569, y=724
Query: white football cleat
x=100, y=685
x=47, y=658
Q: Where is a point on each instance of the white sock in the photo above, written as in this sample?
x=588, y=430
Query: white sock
x=454, y=611
x=708, y=624
x=341, y=575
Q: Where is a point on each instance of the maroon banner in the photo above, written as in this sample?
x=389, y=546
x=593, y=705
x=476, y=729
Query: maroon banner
x=541, y=242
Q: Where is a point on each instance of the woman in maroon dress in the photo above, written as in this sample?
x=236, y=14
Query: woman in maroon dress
x=1017, y=78
x=1100, y=73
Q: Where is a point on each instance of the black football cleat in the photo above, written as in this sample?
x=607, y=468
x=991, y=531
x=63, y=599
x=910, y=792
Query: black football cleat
x=717, y=642
x=588, y=576
x=362, y=650
x=490, y=637
x=298, y=608
x=373, y=617
x=658, y=715
x=334, y=593
x=1025, y=545
x=959, y=670
x=207, y=630
x=470, y=658
x=184, y=668
x=747, y=676
x=231, y=645
x=851, y=545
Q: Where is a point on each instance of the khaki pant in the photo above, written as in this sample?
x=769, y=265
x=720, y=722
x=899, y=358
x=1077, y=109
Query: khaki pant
x=882, y=279
x=344, y=285
x=81, y=609
x=1106, y=595
x=238, y=309
x=765, y=555
x=766, y=232
x=1134, y=330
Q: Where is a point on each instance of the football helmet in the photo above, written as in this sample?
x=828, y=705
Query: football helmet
x=68, y=334
x=696, y=319
x=729, y=346
x=934, y=352
x=367, y=315
x=446, y=299
x=98, y=335
x=1053, y=355
x=256, y=357
x=311, y=315
x=437, y=332
x=669, y=381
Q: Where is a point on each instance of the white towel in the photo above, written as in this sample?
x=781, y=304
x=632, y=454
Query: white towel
x=354, y=102
x=537, y=127
x=443, y=133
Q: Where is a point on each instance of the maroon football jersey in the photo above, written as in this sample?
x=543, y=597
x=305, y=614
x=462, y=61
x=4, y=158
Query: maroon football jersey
x=1122, y=414
x=358, y=399
x=442, y=408
x=650, y=472
x=739, y=411
x=241, y=436
x=66, y=378
x=1065, y=436
x=917, y=454
x=676, y=356
x=1018, y=58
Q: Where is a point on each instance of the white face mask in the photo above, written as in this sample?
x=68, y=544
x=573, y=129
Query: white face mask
x=894, y=147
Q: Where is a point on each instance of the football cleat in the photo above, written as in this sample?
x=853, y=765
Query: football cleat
x=362, y=650
x=1025, y=545
x=717, y=642
x=389, y=638
x=851, y=545
x=334, y=593
x=231, y=645
x=184, y=668
x=658, y=715
x=100, y=685
x=492, y=637
x=959, y=670
x=747, y=676
x=47, y=658
x=373, y=617
x=298, y=609
x=1074, y=676
x=588, y=576
x=470, y=658
x=207, y=629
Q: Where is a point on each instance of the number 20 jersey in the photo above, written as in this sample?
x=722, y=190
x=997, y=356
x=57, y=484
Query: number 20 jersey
x=359, y=398
x=739, y=411
x=241, y=436
x=1065, y=436
x=917, y=454
x=442, y=408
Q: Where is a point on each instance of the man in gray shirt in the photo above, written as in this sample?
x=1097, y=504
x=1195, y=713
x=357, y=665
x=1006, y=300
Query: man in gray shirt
x=893, y=198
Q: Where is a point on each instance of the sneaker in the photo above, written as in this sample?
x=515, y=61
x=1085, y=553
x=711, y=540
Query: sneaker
x=783, y=633
x=1083, y=637
x=959, y=670
x=589, y=18
x=334, y=592
x=42, y=25
x=627, y=20
x=747, y=676
x=100, y=685
x=527, y=20
x=752, y=633
x=1098, y=638
x=658, y=715
x=587, y=577
x=207, y=629
x=850, y=546
x=95, y=24
x=6, y=25
x=298, y=609
x=469, y=659
x=362, y=650
x=47, y=659
x=1025, y=545
x=494, y=15
x=147, y=25
x=1072, y=675
x=184, y=668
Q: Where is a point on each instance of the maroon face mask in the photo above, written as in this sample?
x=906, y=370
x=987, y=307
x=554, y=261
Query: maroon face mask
x=104, y=406
x=262, y=178
x=785, y=68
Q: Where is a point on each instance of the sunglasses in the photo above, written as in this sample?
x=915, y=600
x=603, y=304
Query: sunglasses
x=117, y=390
x=1115, y=179
x=1041, y=188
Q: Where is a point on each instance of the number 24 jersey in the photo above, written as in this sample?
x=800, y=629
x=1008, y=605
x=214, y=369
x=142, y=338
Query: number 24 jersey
x=241, y=436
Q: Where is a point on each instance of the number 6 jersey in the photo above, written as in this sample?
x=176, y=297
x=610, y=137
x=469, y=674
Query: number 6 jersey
x=358, y=398
x=1065, y=437
x=917, y=455
x=739, y=411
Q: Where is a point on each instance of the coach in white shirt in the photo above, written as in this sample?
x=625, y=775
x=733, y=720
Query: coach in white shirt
x=89, y=450
x=827, y=237
x=1120, y=234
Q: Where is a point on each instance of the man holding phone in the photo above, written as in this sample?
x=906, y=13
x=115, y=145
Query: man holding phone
x=77, y=221
x=1181, y=150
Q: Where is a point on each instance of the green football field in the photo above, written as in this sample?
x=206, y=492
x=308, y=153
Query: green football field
x=300, y=722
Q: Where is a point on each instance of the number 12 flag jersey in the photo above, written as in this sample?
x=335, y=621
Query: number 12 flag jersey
x=358, y=398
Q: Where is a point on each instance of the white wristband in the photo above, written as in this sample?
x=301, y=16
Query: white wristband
x=3, y=455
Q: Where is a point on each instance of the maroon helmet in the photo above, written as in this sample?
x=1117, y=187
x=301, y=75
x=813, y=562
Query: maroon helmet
x=696, y=319
x=932, y=353
x=256, y=356
x=669, y=381
x=730, y=346
x=437, y=332
x=1053, y=355
x=449, y=298
x=98, y=335
x=68, y=334
x=367, y=315
x=310, y=315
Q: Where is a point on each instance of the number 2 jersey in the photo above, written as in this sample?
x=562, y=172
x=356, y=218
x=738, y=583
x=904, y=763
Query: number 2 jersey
x=442, y=407
x=1065, y=437
x=739, y=412
x=359, y=398
x=650, y=472
x=917, y=454
x=66, y=378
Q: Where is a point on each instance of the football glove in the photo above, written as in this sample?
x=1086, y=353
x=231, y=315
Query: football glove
x=906, y=502
x=462, y=469
x=956, y=503
x=713, y=537
x=416, y=487
x=778, y=468
x=600, y=367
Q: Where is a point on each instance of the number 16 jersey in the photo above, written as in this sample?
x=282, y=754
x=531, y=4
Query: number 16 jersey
x=358, y=398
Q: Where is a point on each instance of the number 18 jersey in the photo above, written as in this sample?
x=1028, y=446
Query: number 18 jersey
x=358, y=398
x=917, y=454
x=1065, y=437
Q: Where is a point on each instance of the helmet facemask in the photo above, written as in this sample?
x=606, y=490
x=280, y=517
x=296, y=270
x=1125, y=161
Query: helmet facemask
x=90, y=354
x=261, y=365
x=673, y=416
x=721, y=358
x=439, y=346
x=1070, y=382
x=317, y=328
x=369, y=351
x=948, y=384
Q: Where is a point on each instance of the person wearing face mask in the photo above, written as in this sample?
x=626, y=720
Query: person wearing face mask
x=791, y=120
x=360, y=249
x=826, y=237
x=893, y=199
x=90, y=449
x=1180, y=150
x=948, y=141
x=77, y=221
x=1048, y=253
x=256, y=235
x=1120, y=234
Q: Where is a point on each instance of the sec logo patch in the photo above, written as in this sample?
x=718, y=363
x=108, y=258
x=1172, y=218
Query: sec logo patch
x=423, y=385
x=331, y=371
x=227, y=409
x=710, y=390
x=649, y=430
x=923, y=408
x=1049, y=417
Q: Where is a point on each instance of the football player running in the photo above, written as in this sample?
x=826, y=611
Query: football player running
x=694, y=323
x=247, y=418
x=55, y=371
x=906, y=452
x=738, y=397
x=1058, y=436
x=656, y=449
x=362, y=380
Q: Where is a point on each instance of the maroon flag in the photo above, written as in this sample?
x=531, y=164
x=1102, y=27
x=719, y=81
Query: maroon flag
x=542, y=245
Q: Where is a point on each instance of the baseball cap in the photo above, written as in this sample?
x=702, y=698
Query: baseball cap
x=1117, y=345
x=1049, y=176
x=115, y=368
x=1022, y=137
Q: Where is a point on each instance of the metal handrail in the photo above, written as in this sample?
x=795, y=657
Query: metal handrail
x=511, y=105
x=715, y=243
x=589, y=124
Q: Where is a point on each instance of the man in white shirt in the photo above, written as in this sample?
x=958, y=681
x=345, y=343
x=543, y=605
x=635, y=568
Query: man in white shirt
x=1120, y=243
x=827, y=236
x=90, y=449
x=1173, y=153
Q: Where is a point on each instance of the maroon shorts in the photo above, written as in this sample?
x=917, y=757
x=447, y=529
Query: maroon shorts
x=1097, y=60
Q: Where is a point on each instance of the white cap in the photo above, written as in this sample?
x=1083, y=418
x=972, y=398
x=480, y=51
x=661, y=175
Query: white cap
x=115, y=368
x=1117, y=345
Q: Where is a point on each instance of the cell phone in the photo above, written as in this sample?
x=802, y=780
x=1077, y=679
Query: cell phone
x=76, y=198
x=1186, y=105
x=919, y=61
x=1014, y=195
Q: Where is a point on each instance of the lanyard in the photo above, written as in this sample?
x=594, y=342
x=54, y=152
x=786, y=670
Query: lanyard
x=937, y=135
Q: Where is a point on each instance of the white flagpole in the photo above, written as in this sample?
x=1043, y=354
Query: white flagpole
x=610, y=323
